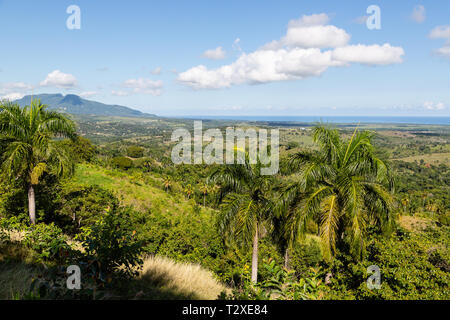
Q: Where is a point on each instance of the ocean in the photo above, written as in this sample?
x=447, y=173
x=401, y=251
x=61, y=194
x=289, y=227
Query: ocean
x=334, y=119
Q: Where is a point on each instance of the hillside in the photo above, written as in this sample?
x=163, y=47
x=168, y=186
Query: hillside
x=76, y=105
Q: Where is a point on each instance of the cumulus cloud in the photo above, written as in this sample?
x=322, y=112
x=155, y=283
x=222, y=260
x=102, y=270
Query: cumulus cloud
x=12, y=96
x=431, y=106
x=311, y=32
x=369, y=55
x=419, y=14
x=308, y=49
x=144, y=86
x=215, y=54
x=442, y=32
x=59, y=79
x=444, y=51
x=14, y=90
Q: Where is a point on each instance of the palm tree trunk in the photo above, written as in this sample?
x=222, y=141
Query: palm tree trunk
x=255, y=256
x=32, y=205
x=286, y=258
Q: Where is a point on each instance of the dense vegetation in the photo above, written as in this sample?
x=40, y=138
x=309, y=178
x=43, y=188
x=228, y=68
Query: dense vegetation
x=137, y=225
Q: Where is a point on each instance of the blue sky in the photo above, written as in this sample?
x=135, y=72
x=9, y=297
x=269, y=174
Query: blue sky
x=146, y=55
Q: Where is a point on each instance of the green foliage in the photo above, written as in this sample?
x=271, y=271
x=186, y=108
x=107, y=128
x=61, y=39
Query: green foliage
x=80, y=149
x=80, y=206
x=410, y=269
x=111, y=244
x=280, y=285
x=48, y=241
x=343, y=186
x=123, y=163
x=135, y=152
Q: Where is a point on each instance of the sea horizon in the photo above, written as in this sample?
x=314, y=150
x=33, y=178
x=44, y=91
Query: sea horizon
x=433, y=120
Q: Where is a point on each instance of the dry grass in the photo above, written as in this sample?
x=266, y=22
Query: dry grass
x=414, y=223
x=181, y=279
x=433, y=158
x=16, y=270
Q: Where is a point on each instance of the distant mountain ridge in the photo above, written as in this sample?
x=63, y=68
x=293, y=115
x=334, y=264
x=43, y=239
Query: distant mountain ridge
x=76, y=105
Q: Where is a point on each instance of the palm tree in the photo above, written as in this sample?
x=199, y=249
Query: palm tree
x=167, y=183
x=246, y=207
x=189, y=190
x=286, y=229
x=345, y=188
x=31, y=150
x=204, y=189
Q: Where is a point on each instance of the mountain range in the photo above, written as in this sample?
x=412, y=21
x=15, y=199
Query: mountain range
x=76, y=105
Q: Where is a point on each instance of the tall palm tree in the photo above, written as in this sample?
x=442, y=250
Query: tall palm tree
x=189, y=190
x=204, y=189
x=245, y=206
x=31, y=150
x=167, y=183
x=345, y=188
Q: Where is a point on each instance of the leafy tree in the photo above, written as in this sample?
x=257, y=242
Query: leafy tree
x=81, y=149
x=123, y=163
x=135, y=152
x=246, y=206
x=346, y=189
x=31, y=150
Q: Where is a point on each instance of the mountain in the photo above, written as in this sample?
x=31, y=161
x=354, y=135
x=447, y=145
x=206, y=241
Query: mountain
x=76, y=105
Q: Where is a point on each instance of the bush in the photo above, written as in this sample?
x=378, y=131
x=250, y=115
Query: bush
x=80, y=206
x=111, y=245
x=48, y=241
x=123, y=163
x=135, y=152
x=410, y=269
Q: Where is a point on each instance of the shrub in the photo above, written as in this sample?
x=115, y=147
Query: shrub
x=48, y=241
x=111, y=245
x=135, y=152
x=80, y=206
x=123, y=163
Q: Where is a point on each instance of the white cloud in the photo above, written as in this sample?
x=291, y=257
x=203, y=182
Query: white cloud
x=369, y=55
x=419, y=14
x=298, y=55
x=14, y=90
x=311, y=32
x=157, y=71
x=59, y=79
x=120, y=93
x=88, y=94
x=311, y=20
x=12, y=96
x=215, y=54
x=444, y=51
x=144, y=86
x=12, y=86
x=431, y=106
x=440, y=32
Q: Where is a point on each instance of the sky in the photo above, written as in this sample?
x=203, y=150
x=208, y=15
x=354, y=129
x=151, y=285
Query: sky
x=264, y=58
